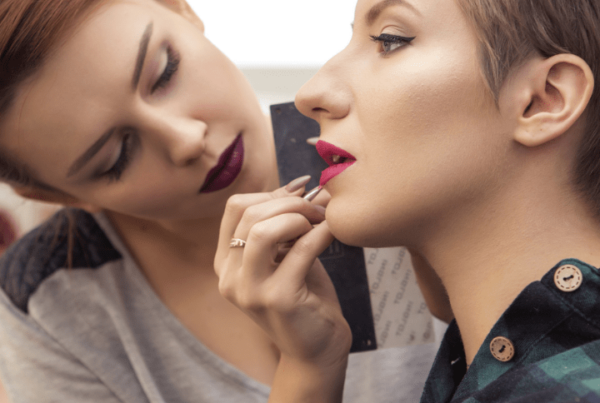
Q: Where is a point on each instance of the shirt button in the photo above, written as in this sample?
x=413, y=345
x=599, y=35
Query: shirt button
x=502, y=349
x=568, y=278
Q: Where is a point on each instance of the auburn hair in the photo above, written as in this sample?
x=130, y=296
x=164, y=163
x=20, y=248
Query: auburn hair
x=510, y=31
x=29, y=29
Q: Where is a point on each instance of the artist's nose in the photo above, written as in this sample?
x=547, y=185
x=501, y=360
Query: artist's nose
x=183, y=139
x=327, y=95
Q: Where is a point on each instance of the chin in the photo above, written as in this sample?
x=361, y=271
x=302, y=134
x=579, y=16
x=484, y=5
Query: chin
x=360, y=229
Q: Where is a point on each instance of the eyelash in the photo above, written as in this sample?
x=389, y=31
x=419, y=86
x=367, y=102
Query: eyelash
x=173, y=60
x=114, y=173
x=387, y=39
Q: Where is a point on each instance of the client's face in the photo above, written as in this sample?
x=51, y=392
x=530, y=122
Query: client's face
x=407, y=100
x=137, y=112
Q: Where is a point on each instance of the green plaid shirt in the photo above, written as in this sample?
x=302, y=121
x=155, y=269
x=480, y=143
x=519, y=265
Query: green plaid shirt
x=556, y=339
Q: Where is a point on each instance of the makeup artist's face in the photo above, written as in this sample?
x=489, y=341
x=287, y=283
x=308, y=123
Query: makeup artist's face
x=407, y=99
x=137, y=112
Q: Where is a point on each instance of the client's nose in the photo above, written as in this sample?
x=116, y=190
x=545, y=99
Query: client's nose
x=326, y=95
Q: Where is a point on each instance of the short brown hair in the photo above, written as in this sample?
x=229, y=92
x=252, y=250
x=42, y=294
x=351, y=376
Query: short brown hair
x=510, y=31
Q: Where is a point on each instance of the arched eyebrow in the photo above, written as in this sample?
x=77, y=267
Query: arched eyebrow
x=378, y=8
x=90, y=152
x=139, y=64
x=137, y=73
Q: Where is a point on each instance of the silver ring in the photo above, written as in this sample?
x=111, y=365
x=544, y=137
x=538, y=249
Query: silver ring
x=237, y=243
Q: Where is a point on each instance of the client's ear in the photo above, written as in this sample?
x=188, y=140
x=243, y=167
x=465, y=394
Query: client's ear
x=54, y=197
x=551, y=95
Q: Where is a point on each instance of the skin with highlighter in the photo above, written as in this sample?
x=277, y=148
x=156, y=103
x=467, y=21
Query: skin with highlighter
x=420, y=154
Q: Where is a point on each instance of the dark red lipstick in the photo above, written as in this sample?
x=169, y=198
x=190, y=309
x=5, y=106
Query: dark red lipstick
x=227, y=169
x=337, y=159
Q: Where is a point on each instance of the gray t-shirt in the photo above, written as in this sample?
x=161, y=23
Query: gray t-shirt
x=97, y=332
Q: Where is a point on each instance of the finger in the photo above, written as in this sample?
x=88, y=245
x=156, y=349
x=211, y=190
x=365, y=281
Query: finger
x=242, y=275
x=256, y=214
x=264, y=211
x=237, y=204
x=262, y=249
x=297, y=263
x=283, y=250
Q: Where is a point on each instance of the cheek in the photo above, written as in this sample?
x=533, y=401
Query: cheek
x=429, y=142
x=424, y=113
x=148, y=198
x=427, y=91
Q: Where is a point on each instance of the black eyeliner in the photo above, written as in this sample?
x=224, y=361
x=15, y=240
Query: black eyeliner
x=384, y=39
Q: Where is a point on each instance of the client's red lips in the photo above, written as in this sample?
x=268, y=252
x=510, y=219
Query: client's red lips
x=337, y=159
x=227, y=169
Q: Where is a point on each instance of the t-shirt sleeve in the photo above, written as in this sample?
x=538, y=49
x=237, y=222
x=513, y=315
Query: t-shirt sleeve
x=34, y=367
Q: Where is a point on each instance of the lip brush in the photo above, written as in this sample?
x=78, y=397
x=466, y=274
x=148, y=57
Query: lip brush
x=312, y=194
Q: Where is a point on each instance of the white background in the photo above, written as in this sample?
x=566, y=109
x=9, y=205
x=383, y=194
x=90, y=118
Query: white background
x=277, y=33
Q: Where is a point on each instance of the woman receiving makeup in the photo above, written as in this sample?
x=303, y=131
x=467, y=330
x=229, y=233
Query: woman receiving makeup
x=467, y=130
x=125, y=112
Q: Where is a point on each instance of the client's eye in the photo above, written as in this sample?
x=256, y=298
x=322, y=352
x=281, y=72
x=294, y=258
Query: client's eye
x=127, y=147
x=389, y=43
x=173, y=60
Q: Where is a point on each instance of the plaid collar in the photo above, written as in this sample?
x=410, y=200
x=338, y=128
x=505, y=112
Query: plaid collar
x=544, y=348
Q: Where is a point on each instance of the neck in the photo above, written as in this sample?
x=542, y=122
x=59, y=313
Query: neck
x=487, y=256
x=185, y=243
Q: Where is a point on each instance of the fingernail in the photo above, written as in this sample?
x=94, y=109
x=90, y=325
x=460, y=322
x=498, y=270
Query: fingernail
x=297, y=183
x=312, y=141
x=320, y=209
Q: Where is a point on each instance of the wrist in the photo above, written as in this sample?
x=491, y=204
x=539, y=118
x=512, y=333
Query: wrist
x=300, y=381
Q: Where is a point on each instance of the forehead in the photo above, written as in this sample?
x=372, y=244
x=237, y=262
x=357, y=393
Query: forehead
x=86, y=65
x=447, y=11
x=67, y=98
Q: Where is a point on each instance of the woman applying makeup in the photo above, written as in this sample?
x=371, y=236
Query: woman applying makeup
x=467, y=130
x=126, y=112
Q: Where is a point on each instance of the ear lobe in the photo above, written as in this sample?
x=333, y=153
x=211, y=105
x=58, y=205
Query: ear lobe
x=54, y=197
x=557, y=92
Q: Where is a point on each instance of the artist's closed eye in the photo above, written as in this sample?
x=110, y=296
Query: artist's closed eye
x=173, y=60
x=390, y=43
x=128, y=146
